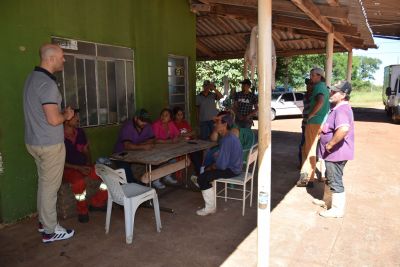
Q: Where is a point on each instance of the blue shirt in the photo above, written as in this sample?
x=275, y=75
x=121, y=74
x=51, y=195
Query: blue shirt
x=230, y=155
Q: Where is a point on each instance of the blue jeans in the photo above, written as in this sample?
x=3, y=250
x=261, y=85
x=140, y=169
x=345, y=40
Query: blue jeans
x=334, y=173
x=302, y=141
x=130, y=178
x=206, y=128
x=209, y=158
x=207, y=177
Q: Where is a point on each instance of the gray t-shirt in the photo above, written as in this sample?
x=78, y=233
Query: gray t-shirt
x=207, y=107
x=41, y=89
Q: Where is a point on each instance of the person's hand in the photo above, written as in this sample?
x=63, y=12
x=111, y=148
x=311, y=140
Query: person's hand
x=147, y=146
x=328, y=147
x=85, y=170
x=68, y=113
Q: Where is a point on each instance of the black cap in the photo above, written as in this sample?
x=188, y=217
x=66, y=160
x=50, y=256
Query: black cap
x=142, y=115
x=342, y=86
x=246, y=81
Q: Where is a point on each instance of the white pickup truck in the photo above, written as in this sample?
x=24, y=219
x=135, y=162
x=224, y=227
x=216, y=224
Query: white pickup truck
x=391, y=92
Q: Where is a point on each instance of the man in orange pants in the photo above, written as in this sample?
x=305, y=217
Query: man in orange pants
x=78, y=166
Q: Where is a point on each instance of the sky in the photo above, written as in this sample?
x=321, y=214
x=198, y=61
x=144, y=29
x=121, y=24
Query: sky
x=388, y=52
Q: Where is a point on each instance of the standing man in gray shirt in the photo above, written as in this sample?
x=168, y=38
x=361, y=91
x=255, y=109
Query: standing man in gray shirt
x=206, y=108
x=44, y=137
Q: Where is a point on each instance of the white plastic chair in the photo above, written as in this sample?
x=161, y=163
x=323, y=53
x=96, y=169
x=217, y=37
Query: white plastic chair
x=128, y=195
x=241, y=180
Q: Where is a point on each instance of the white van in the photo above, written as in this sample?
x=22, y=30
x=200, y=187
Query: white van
x=391, y=92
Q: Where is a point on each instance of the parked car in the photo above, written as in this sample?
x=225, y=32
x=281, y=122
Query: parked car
x=286, y=103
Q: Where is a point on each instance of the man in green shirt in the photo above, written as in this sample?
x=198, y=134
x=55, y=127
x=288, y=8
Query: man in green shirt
x=317, y=113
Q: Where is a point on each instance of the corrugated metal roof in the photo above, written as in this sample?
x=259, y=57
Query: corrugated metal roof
x=224, y=27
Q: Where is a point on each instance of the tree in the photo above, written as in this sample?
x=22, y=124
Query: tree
x=295, y=69
x=216, y=70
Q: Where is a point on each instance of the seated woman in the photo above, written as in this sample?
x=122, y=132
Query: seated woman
x=165, y=132
x=227, y=163
x=181, y=124
x=187, y=133
x=78, y=165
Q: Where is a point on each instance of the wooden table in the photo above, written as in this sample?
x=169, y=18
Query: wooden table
x=163, y=152
x=160, y=154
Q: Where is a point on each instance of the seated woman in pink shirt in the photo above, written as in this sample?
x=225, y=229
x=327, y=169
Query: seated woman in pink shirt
x=165, y=132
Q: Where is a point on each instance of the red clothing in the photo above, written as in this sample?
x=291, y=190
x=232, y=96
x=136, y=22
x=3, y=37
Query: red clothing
x=183, y=126
x=77, y=181
x=161, y=134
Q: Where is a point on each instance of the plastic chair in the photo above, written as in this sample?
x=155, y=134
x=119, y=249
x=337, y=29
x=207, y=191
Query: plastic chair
x=128, y=195
x=241, y=180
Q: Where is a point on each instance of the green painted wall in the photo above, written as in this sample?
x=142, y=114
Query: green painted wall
x=153, y=28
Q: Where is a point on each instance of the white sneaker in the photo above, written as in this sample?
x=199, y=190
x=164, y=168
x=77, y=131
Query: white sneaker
x=170, y=180
x=60, y=233
x=158, y=184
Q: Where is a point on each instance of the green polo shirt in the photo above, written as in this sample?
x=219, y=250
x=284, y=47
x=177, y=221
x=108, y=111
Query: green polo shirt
x=319, y=118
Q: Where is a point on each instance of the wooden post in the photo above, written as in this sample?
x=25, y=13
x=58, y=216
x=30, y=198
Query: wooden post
x=264, y=129
x=329, y=59
x=349, y=65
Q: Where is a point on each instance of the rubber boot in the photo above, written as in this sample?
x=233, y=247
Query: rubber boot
x=337, y=209
x=209, y=200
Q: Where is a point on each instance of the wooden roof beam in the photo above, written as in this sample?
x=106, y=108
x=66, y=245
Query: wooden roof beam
x=245, y=3
x=233, y=35
x=288, y=53
x=308, y=7
x=204, y=49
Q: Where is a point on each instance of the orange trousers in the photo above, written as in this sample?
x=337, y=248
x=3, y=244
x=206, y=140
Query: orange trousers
x=77, y=181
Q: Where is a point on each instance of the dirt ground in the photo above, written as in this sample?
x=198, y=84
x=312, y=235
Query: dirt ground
x=368, y=235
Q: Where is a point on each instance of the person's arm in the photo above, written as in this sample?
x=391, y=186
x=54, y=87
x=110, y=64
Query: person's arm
x=338, y=136
x=318, y=105
x=218, y=94
x=86, y=152
x=128, y=145
x=254, y=112
x=54, y=117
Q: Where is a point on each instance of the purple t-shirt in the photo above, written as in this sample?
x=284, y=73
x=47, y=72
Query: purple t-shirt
x=129, y=132
x=74, y=146
x=230, y=155
x=338, y=116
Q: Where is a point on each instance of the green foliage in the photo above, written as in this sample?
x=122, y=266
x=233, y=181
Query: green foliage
x=295, y=69
x=215, y=71
x=299, y=67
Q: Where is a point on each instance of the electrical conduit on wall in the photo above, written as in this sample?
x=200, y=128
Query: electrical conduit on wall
x=1, y=165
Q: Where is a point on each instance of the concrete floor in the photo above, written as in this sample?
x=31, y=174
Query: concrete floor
x=368, y=235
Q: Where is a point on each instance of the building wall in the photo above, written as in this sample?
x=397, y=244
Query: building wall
x=153, y=29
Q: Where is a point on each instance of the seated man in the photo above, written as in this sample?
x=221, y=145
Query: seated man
x=227, y=163
x=247, y=138
x=135, y=134
x=78, y=165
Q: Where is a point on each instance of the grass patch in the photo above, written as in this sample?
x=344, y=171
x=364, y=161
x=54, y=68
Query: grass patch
x=366, y=98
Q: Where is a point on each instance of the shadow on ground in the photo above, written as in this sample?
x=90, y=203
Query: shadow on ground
x=370, y=115
x=185, y=240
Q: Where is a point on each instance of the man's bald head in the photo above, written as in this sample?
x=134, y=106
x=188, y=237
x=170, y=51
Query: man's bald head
x=48, y=50
x=51, y=57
